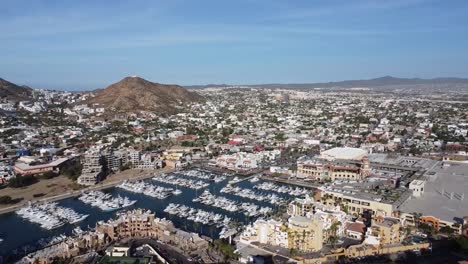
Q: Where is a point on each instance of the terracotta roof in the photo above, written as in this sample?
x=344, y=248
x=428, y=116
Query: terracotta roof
x=356, y=227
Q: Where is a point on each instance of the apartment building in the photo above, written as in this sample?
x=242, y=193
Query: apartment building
x=269, y=232
x=92, y=170
x=141, y=223
x=134, y=156
x=138, y=223
x=305, y=234
x=300, y=206
x=384, y=231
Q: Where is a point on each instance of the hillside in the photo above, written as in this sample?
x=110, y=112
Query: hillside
x=13, y=92
x=136, y=94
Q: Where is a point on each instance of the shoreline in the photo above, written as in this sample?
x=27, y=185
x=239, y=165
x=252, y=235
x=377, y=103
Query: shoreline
x=99, y=186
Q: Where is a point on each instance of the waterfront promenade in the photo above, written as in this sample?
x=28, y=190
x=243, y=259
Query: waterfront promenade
x=110, y=182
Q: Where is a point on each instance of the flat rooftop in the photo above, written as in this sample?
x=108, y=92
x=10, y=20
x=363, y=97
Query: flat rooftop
x=344, y=153
x=402, y=161
x=445, y=193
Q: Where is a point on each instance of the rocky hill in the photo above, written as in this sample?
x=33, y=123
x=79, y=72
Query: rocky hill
x=134, y=94
x=13, y=92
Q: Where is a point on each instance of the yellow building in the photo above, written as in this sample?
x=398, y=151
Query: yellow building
x=304, y=234
x=356, y=204
x=173, y=156
x=384, y=231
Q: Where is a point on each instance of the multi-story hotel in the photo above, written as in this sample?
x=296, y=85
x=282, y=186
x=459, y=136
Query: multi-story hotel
x=305, y=234
x=351, y=164
x=356, y=202
x=384, y=231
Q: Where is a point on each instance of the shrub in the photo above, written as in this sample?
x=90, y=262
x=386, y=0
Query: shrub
x=73, y=171
x=21, y=181
x=48, y=175
x=6, y=199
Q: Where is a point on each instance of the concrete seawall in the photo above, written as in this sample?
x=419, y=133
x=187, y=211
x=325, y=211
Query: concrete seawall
x=290, y=182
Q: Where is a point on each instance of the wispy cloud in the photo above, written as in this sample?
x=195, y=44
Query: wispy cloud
x=330, y=9
x=63, y=21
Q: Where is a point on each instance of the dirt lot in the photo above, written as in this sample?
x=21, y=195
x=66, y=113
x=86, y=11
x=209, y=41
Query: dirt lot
x=50, y=187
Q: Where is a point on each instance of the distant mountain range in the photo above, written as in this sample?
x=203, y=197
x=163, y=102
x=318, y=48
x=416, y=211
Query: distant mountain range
x=382, y=81
x=135, y=94
x=13, y=92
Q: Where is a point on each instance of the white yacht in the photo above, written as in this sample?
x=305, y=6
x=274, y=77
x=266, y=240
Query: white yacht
x=50, y=215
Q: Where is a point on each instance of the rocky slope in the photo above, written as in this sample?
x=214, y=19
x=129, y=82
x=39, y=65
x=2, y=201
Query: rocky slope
x=133, y=94
x=13, y=92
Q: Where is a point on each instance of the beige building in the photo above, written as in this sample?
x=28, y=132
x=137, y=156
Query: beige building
x=322, y=169
x=140, y=223
x=304, y=234
x=357, y=203
x=301, y=206
x=384, y=231
x=135, y=224
x=92, y=168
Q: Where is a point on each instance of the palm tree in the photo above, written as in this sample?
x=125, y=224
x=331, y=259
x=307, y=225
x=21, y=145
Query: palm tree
x=464, y=227
x=334, y=227
x=333, y=240
x=417, y=219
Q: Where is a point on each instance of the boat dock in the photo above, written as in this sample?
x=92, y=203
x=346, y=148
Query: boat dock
x=99, y=186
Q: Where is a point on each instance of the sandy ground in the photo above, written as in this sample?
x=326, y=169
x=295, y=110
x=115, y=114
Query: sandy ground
x=50, y=187
x=61, y=185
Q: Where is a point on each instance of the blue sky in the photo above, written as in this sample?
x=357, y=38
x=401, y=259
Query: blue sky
x=86, y=44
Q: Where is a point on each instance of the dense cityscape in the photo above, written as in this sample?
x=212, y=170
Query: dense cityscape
x=240, y=173
x=234, y=132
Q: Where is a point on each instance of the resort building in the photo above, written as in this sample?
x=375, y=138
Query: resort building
x=304, y=234
x=92, y=170
x=268, y=232
x=320, y=168
x=384, y=231
x=355, y=202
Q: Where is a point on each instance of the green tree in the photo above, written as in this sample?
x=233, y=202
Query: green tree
x=21, y=181
x=292, y=252
x=333, y=240
x=72, y=171
x=5, y=199
x=280, y=137
x=447, y=230
x=462, y=243
x=48, y=175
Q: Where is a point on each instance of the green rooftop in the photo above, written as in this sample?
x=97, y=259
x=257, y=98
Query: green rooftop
x=124, y=260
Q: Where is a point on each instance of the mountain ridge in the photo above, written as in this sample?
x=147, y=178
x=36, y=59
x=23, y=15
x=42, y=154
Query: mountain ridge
x=375, y=82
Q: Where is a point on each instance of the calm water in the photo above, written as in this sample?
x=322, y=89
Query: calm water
x=18, y=233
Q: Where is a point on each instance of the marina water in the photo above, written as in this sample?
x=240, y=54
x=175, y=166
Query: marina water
x=20, y=235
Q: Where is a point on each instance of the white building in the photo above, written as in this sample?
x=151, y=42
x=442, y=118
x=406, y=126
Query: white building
x=270, y=232
x=417, y=186
x=344, y=153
